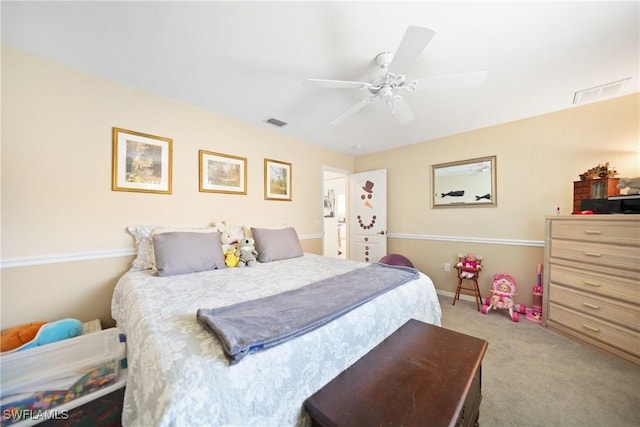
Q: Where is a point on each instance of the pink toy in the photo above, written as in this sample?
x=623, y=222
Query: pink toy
x=504, y=288
x=469, y=266
x=535, y=313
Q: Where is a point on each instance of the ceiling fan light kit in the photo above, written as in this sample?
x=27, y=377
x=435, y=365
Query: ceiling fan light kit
x=413, y=43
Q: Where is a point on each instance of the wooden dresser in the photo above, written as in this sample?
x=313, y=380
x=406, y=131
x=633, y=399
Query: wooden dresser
x=592, y=281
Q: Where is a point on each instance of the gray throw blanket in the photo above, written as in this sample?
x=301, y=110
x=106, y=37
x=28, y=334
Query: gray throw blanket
x=255, y=325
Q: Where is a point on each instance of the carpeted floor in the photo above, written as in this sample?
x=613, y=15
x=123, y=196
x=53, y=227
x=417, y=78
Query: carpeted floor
x=532, y=376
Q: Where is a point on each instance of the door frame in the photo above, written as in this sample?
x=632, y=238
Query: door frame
x=345, y=173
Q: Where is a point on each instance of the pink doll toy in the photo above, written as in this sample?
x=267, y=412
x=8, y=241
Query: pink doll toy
x=504, y=289
x=469, y=266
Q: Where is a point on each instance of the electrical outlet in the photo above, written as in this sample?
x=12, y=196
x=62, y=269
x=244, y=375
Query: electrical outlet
x=447, y=266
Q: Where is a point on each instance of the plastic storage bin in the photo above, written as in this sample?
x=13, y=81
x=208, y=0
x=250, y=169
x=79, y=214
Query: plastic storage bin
x=43, y=378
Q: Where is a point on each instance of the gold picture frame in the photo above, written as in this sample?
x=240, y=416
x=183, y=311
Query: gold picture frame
x=465, y=183
x=277, y=180
x=222, y=173
x=141, y=162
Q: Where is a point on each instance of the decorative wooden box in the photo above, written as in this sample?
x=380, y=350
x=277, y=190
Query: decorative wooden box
x=601, y=188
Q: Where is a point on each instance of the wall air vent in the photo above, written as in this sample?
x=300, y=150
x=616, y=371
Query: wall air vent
x=597, y=93
x=276, y=122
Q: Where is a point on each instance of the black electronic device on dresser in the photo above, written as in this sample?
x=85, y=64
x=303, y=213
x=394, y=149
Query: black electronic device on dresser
x=624, y=204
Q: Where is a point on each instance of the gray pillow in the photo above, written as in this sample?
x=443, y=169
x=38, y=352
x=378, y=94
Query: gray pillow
x=274, y=245
x=182, y=252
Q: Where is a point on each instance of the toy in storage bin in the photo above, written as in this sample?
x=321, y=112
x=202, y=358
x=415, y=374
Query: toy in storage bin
x=42, y=378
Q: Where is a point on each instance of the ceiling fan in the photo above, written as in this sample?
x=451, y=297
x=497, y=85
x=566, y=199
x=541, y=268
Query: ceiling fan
x=393, y=80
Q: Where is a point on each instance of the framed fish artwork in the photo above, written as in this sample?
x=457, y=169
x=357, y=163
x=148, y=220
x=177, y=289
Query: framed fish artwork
x=465, y=183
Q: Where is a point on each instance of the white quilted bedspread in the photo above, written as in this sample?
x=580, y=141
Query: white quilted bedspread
x=178, y=375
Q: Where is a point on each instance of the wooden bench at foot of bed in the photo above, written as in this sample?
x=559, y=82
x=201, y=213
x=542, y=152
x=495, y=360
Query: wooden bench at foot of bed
x=421, y=375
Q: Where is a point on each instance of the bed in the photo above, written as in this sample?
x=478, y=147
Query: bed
x=178, y=373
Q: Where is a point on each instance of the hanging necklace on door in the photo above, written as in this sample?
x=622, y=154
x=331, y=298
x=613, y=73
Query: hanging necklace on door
x=366, y=227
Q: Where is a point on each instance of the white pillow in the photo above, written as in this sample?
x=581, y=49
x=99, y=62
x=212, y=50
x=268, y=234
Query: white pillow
x=144, y=249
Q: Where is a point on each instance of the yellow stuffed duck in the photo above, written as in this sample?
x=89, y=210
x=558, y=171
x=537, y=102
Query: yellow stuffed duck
x=34, y=334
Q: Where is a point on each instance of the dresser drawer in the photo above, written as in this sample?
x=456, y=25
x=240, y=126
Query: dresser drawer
x=624, y=339
x=624, y=314
x=592, y=230
x=622, y=288
x=625, y=257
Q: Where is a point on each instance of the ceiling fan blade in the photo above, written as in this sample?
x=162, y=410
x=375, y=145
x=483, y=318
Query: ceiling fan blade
x=449, y=81
x=337, y=84
x=351, y=111
x=413, y=43
x=401, y=110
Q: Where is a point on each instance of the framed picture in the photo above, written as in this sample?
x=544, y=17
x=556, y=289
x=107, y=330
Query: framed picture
x=222, y=173
x=465, y=183
x=277, y=180
x=141, y=162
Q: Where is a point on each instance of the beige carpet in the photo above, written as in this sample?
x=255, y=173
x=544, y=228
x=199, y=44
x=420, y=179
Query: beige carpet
x=532, y=376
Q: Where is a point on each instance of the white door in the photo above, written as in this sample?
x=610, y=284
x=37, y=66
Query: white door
x=368, y=215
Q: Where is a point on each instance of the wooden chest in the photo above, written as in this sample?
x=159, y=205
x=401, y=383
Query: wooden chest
x=421, y=375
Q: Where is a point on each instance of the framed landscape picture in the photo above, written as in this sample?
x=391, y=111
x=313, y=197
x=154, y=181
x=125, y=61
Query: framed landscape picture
x=222, y=173
x=277, y=180
x=141, y=162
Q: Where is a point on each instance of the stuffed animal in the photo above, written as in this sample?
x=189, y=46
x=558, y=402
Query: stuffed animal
x=34, y=334
x=230, y=235
x=17, y=336
x=469, y=266
x=231, y=259
x=504, y=289
x=631, y=184
x=247, y=253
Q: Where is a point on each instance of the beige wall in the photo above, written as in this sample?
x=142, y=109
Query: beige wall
x=63, y=229
x=537, y=161
x=56, y=184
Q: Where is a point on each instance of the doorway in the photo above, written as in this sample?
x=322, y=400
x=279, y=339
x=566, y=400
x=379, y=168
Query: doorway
x=335, y=240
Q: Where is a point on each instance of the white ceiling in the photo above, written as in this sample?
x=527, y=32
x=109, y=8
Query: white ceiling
x=248, y=60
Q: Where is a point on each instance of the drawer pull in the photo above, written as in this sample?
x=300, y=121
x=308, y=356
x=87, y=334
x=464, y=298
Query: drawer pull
x=593, y=232
x=588, y=304
x=592, y=328
x=593, y=254
x=590, y=283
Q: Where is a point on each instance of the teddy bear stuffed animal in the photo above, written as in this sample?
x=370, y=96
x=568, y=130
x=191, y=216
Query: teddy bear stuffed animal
x=632, y=185
x=247, y=253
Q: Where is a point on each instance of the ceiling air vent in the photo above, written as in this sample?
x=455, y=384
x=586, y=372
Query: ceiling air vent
x=600, y=92
x=276, y=122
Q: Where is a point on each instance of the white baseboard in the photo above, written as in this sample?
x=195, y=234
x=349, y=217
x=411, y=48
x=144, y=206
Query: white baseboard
x=452, y=294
